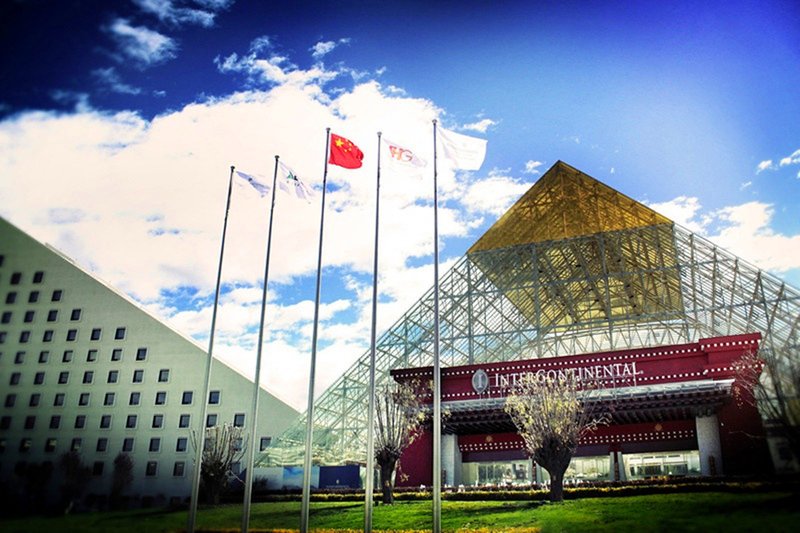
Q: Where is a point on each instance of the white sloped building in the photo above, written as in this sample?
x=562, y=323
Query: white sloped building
x=84, y=368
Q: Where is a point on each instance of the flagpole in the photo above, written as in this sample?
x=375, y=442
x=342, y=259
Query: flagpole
x=248, y=491
x=437, y=378
x=370, y=473
x=200, y=441
x=310, y=409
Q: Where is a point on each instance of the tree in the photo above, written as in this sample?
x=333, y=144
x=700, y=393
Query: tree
x=552, y=414
x=771, y=382
x=121, y=478
x=76, y=477
x=399, y=418
x=222, y=447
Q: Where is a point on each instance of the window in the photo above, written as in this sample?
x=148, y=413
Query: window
x=72, y=335
x=264, y=444
x=16, y=277
x=236, y=468
x=97, y=468
x=109, y=399
x=29, y=316
x=130, y=422
x=3, y=336
x=88, y=376
x=55, y=422
x=116, y=354
x=24, y=336
x=151, y=469
x=135, y=398
x=238, y=420
x=102, y=444
x=119, y=334
x=25, y=445
x=163, y=375
x=161, y=397
x=127, y=444
x=155, y=444
x=180, y=445
x=211, y=421
x=141, y=354
x=11, y=399
x=47, y=336
x=138, y=376
x=113, y=376
x=105, y=422
x=33, y=297
x=6, y=318
x=80, y=421
x=158, y=421
x=15, y=377
x=19, y=358
x=75, y=315
x=44, y=356
x=11, y=297
x=52, y=315
x=57, y=295
x=184, y=420
x=58, y=399
x=38, y=276
x=38, y=378
x=213, y=397
x=75, y=445
x=96, y=333
x=179, y=469
x=67, y=357
x=83, y=399
x=50, y=445
x=186, y=399
x=35, y=399
x=91, y=356
x=5, y=422
x=63, y=378
x=30, y=422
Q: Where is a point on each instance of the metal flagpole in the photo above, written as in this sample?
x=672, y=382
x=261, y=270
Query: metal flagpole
x=310, y=410
x=248, y=491
x=437, y=378
x=370, y=473
x=200, y=441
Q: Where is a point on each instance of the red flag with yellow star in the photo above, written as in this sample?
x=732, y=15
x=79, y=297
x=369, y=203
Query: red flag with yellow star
x=344, y=153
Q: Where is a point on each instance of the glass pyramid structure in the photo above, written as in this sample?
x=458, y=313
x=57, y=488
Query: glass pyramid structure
x=572, y=267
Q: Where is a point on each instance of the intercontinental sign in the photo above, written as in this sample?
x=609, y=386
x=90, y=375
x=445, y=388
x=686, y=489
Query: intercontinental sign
x=603, y=375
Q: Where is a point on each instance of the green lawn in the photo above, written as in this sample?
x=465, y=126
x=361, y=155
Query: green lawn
x=710, y=511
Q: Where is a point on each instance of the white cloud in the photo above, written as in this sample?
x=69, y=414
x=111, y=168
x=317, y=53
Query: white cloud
x=480, y=126
x=175, y=12
x=531, y=167
x=745, y=185
x=493, y=195
x=322, y=48
x=110, y=79
x=793, y=159
x=683, y=210
x=145, y=46
x=764, y=165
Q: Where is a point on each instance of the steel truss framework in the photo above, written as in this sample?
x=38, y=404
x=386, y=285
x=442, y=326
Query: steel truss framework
x=646, y=285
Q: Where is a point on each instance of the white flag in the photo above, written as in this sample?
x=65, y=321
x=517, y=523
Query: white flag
x=402, y=157
x=255, y=181
x=290, y=183
x=465, y=152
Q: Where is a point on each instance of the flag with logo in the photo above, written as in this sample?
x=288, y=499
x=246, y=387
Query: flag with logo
x=401, y=157
x=344, y=153
x=257, y=181
x=291, y=184
x=465, y=152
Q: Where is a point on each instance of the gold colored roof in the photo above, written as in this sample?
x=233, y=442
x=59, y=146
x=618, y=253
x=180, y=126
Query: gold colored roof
x=566, y=203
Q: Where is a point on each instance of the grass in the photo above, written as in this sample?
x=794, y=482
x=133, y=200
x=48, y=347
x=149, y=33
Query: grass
x=711, y=511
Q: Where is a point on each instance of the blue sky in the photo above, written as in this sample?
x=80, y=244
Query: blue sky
x=119, y=121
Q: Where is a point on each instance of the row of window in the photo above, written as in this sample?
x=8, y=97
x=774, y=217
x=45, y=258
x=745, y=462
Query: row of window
x=110, y=397
x=33, y=296
x=68, y=356
x=72, y=335
x=52, y=316
x=131, y=421
x=151, y=468
x=88, y=377
x=16, y=277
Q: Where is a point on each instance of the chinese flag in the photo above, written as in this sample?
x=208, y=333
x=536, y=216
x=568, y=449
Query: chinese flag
x=344, y=153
